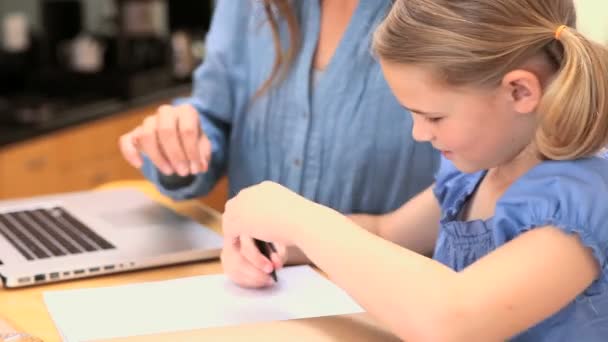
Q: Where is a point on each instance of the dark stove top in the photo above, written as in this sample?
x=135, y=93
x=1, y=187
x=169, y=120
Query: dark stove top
x=33, y=109
x=27, y=116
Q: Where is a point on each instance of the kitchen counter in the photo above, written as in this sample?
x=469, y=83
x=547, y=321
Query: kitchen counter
x=14, y=133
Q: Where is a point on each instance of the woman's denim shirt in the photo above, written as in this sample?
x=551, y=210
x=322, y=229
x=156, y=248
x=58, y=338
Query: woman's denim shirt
x=344, y=142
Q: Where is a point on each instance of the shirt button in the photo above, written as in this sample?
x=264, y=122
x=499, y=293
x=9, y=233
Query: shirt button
x=297, y=162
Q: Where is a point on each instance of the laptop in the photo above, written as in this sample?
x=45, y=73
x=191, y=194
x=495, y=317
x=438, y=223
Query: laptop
x=75, y=235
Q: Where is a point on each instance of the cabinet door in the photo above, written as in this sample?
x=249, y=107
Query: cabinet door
x=96, y=173
x=29, y=168
x=98, y=139
x=79, y=158
x=90, y=155
x=76, y=158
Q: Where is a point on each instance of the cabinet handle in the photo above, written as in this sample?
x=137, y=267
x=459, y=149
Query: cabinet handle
x=100, y=178
x=35, y=164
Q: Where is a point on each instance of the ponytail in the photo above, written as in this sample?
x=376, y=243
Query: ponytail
x=574, y=108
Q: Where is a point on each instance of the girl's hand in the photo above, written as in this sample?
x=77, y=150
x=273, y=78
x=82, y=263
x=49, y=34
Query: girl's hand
x=246, y=266
x=269, y=212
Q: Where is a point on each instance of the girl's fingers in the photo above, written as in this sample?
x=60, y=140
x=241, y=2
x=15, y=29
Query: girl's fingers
x=279, y=257
x=254, y=256
x=240, y=270
x=247, y=275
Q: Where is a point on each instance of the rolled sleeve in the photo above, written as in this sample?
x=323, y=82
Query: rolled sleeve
x=218, y=83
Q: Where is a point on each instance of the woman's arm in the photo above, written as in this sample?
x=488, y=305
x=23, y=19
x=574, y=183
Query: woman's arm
x=216, y=82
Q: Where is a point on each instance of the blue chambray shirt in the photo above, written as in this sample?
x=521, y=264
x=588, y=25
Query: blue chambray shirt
x=344, y=142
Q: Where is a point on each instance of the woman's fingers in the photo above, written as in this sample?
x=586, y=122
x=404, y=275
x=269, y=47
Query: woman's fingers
x=150, y=146
x=129, y=147
x=170, y=139
x=190, y=133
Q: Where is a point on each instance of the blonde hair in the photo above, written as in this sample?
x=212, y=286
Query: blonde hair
x=275, y=11
x=477, y=42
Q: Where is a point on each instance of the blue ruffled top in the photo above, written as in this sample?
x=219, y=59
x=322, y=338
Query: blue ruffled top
x=569, y=195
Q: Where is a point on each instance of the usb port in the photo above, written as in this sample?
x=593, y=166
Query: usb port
x=54, y=275
x=24, y=280
x=94, y=269
x=39, y=277
x=78, y=272
x=108, y=267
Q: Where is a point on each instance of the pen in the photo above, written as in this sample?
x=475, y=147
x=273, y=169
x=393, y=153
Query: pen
x=267, y=248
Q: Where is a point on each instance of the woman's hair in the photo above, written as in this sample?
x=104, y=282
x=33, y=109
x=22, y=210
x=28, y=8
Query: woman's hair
x=477, y=42
x=277, y=10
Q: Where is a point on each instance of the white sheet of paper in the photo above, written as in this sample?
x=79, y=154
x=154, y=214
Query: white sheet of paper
x=192, y=303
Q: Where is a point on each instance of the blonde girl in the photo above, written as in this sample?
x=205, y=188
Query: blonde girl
x=517, y=220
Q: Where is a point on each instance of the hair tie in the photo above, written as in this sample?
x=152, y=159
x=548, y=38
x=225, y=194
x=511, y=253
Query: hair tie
x=559, y=31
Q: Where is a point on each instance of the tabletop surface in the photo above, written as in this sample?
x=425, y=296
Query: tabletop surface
x=24, y=308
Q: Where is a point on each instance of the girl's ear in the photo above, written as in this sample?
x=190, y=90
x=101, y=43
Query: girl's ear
x=523, y=89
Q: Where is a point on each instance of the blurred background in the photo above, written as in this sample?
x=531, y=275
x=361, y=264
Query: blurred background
x=593, y=18
x=76, y=74
x=58, y=53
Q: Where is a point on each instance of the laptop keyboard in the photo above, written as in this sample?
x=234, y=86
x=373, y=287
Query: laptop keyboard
x=52, y=232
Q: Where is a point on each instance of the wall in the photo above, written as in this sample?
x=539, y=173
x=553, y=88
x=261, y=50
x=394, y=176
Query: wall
x=593, y=18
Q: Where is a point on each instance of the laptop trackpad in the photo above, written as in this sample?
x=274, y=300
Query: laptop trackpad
x=145, y=215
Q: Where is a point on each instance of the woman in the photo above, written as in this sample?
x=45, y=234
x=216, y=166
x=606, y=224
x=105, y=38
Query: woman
x=314, y=114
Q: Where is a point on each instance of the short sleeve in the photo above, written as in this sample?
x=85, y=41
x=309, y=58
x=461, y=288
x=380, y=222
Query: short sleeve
x=453, y=186
x=569, y=195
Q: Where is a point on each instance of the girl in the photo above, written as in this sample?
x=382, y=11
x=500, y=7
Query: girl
x=288, y=92
x=517, y=101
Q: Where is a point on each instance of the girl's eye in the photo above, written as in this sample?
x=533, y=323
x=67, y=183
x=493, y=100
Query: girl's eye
x=433, y=119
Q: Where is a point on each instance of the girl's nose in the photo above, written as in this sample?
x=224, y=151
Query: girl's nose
x=421, y=130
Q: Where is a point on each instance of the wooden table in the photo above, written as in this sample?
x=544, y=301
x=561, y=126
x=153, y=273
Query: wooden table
x=25, y=309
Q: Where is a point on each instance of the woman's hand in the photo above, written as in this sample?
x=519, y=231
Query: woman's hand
x=172, y=139
x=246, y=266
x=270, y=212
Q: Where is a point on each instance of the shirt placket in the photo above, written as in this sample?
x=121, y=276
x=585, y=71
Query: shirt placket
x=298, y=161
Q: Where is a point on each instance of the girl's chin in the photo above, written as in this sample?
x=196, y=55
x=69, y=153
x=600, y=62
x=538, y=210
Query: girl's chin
x=466, y=167
x=447, y=154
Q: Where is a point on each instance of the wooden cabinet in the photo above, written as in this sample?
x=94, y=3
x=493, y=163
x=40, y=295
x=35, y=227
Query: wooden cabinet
x=77, y=158
x=28, y=169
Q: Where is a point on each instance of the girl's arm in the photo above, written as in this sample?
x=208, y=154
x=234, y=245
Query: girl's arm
x=504, y=293
x=410, y=226
x=509, y=290
x=414, y=225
